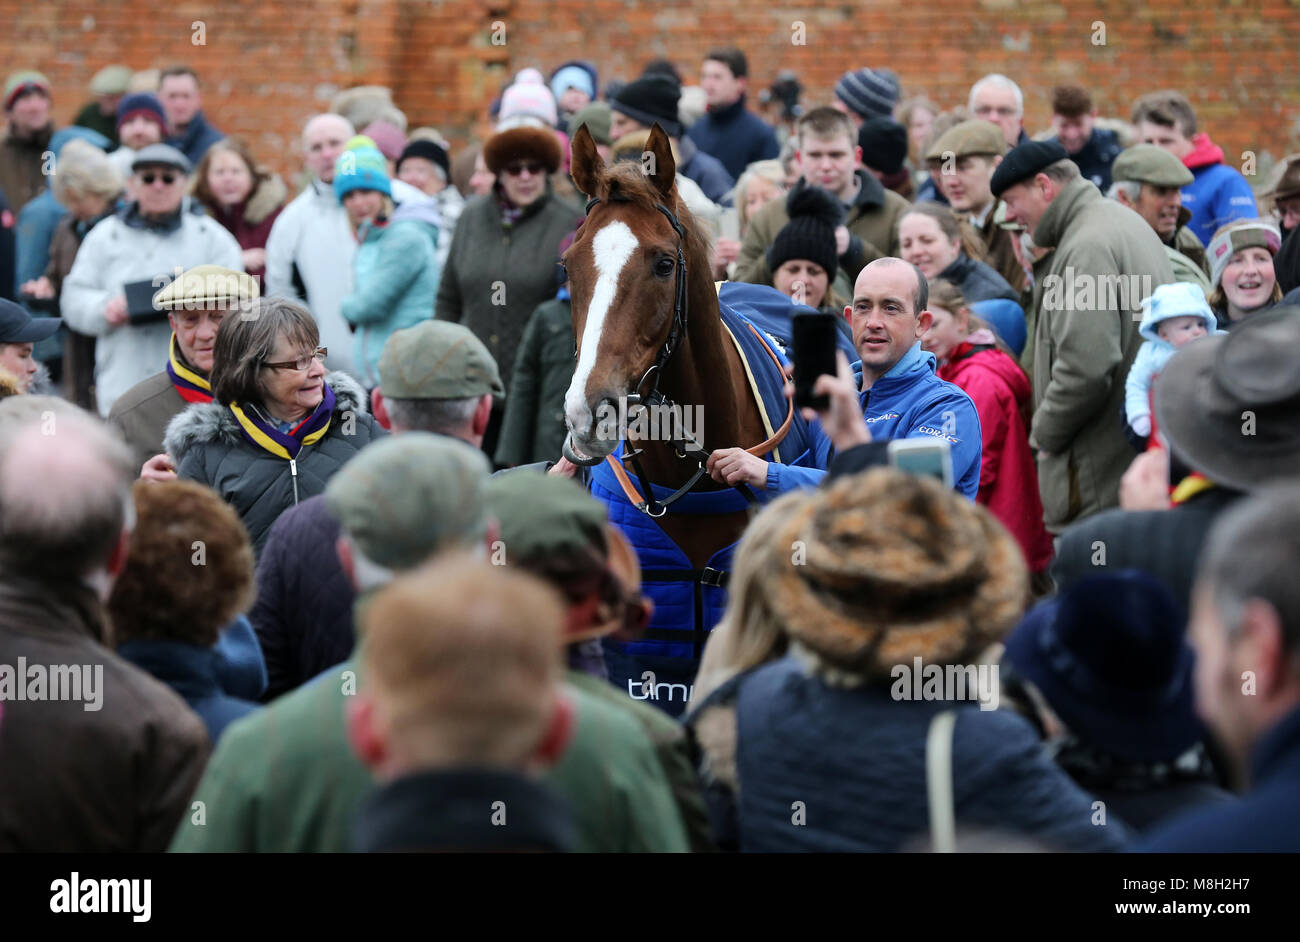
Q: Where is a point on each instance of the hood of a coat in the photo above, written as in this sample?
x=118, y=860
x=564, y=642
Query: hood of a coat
x=266, y=199
x=424, y=212
x=207, y=423
x=1074, y=197
x=995, y=361
x=1204, y=153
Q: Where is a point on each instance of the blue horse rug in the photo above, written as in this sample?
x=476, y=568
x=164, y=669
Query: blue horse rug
x=661, y=666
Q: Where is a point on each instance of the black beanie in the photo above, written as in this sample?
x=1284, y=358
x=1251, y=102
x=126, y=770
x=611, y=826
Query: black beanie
x=649, y=99
x=810, y=233
x=430, y=151
x=884, y=145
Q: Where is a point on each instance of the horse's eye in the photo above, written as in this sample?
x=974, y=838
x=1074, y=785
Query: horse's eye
x=664, y=267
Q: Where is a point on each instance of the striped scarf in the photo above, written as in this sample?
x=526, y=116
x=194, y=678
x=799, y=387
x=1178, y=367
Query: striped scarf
x=286, y=445
x=190, y=385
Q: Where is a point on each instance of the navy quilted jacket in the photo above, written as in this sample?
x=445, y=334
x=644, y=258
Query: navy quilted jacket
x=303, y=613
x=855, y=760
x=206, y=445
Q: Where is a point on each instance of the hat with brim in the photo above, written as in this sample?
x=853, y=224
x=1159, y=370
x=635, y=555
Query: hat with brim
x=161, y=155
x=1109, y=657
x=17, y=326
x=1230, y=404
x=208, y=287
x=523, y=143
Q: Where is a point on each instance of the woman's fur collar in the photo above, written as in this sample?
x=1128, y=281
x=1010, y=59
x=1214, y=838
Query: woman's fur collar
x=207, y=423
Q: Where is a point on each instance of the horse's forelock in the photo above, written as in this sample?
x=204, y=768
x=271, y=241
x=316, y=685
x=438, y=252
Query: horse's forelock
x=625, y=182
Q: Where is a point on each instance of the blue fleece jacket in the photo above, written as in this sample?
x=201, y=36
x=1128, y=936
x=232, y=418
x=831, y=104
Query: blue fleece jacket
x=909, y=401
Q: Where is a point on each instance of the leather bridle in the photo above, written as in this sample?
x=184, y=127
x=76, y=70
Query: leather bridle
x=684, y=445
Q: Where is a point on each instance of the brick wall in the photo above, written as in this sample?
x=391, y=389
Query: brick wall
x=267, y=66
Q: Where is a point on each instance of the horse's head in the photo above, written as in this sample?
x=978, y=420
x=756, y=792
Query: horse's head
x=624, y=279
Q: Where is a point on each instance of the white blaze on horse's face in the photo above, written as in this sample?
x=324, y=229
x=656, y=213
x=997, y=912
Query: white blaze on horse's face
x=611, y=247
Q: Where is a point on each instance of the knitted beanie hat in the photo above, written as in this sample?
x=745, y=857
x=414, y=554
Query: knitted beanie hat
x=884, y=144
x=869, y=93
x=433, y=152
x=1235, y=236
x=896, y=566
x=810, y=233
x=22, y=82
x=141, y=104
x=528, y=97
x=361, y=166
x=649, y=99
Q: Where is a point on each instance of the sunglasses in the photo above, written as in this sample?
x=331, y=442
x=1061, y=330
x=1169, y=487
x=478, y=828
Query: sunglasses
x=300, y=364
x=148, y=178
x=515, y=169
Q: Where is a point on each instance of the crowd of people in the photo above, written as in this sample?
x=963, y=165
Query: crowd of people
x=290, y=559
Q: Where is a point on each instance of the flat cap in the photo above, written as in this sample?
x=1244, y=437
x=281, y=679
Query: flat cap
x=437, y=360
x=111, y=80
x=406, y=497
x=1147, y=163
x=543, y=516
x=207, y=286
x=1023, y=161
x=969, y=138
x=161, y=155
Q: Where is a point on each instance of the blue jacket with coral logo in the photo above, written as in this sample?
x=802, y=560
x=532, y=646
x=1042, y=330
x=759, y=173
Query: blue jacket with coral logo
x=909, y=401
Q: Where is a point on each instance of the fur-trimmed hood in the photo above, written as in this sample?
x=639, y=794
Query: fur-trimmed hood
x=209, y=423
x=269, y=196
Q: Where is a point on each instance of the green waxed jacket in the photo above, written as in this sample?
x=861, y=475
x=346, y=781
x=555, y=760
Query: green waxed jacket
x=1087, y=293
x=285, y=780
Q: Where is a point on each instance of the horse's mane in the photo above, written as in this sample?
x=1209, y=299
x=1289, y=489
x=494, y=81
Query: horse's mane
x=626, y=181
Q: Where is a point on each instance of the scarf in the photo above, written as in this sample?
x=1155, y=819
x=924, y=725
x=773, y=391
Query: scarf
x=286, y=445
x=1189, y=487
x=191, y=386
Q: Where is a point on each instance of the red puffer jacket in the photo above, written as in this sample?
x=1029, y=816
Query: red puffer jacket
x=1008, y=477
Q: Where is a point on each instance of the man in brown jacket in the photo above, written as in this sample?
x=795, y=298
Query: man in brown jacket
x=195, y=304
x=27, y=137
x=98, y=757
x=1088, y=294
x=829, y=157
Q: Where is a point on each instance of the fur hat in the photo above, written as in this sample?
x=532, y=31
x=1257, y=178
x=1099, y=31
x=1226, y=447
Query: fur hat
x=896, y=566
x=537, y=144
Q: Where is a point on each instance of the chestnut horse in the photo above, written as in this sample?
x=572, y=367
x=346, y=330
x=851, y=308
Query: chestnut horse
x=634, y=309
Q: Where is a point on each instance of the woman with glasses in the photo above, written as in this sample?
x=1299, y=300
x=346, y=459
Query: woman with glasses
x=502, y=260
x=279, y=426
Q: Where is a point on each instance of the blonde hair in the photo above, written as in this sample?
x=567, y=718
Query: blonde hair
x=770, y=170
x=749, y=634
x=462, y=662
x=84, y=168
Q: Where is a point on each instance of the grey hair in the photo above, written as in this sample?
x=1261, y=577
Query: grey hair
x=996, y=79
x=65, y=488
x=440, y=416
x=84, y=168
x=1062, y=171
x=1130, y=188
x=245, y=341
x=1250, y=553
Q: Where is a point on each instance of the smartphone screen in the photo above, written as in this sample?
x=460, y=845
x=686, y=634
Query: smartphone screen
x=813, y=347
x=918, y=456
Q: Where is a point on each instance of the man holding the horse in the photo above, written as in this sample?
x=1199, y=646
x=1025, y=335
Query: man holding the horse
x=894, y=386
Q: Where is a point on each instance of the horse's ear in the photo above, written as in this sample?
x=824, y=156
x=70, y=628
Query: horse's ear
x=657, y=162
x=585, y=164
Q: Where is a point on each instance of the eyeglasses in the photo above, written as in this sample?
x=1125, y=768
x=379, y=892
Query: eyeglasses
x=148, y=178
x=515, y=169
x=300, y=364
